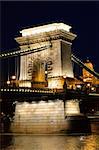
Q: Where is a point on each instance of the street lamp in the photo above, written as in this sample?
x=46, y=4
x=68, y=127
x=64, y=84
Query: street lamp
x=13, y=77
x=8, y=82
x=45, y=72
x=64, y=77
x=65, y=84
x=13, y=80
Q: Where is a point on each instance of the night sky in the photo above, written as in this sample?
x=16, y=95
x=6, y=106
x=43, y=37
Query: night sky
x=82, y=16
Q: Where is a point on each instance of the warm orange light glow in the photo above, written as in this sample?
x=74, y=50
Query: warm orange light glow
x=78, y=86
x=64, y=76
x=24, y=84
x=13, y=77
x=88, y=84
x=84, y=80
x=45, y=72
x=8, y=82
x=88, y=77
x=92, y=88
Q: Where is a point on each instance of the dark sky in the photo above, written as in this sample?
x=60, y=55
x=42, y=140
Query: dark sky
x=82, y=16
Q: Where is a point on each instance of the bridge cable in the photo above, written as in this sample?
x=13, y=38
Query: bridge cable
x=81, y=64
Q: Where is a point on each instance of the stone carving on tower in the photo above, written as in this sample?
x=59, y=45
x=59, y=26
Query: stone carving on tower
x=48, y=56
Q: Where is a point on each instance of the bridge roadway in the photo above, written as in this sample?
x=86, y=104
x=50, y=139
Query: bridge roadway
x=30, y=94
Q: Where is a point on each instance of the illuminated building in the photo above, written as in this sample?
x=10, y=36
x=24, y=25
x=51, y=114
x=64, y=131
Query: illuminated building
x=91, y=80
x=88, y=77
x=46, y=64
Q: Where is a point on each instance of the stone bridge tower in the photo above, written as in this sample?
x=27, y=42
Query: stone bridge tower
x=48, y=55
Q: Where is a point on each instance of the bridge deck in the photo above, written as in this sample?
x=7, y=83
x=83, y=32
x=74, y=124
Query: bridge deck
x=45, y=93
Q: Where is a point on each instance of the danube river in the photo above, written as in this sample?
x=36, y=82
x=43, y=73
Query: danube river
x=49, y=142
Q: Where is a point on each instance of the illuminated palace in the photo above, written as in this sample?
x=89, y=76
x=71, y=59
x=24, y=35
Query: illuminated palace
x=51, y=64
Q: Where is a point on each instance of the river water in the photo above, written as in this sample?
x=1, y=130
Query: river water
x=49, y=142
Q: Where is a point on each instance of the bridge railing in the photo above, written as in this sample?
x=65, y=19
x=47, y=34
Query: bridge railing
x=22, y=89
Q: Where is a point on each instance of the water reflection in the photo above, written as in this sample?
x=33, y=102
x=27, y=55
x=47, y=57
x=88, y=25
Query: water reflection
x=51, y=142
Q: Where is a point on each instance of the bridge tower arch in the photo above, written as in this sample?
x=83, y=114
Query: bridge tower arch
x=51, y=58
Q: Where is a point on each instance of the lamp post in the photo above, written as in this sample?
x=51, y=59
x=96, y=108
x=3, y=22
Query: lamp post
x=65, y=93
x=13, y=80
x=13, y=77
x=65, y=84
x=8, y=82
